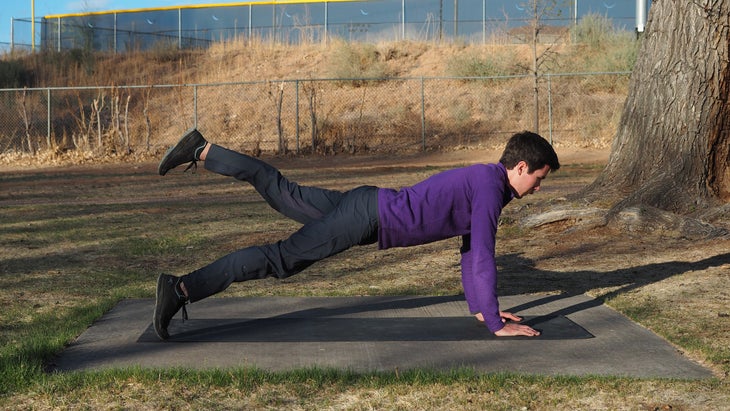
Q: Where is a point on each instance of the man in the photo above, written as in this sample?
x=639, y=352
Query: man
x=463, y=202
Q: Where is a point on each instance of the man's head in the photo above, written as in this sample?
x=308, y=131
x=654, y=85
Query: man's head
x=528, y=159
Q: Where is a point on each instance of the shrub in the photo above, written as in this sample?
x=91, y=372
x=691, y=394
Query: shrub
x=502, y=62
x=357, y=61
x=602, y=48
x=593, y=30
x=14, y=74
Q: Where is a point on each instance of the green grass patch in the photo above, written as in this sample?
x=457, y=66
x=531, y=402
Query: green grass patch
x=23, y=360
x=143, y=246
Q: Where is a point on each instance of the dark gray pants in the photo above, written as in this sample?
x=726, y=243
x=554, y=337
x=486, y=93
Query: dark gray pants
x=333, y=221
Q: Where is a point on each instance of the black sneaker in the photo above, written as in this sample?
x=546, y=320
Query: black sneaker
x=169, y=302
x=185, y=151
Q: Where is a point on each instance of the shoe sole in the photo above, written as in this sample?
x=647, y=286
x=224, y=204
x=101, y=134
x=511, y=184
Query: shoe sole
x=163, y=335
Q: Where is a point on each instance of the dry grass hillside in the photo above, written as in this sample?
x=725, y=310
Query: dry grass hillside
x=344, y=116
x=255, y=61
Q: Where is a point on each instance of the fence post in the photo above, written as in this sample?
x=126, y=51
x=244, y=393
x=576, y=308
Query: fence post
x=403, y=20
x=48, y=119
x=115, y=33
x=58, y=31
x=250, y=28
x=550, y=107
x=179, y=28
x=423, y=116
x=326, y=22
x=296, y=109
x=484, y=21
x=195, y=106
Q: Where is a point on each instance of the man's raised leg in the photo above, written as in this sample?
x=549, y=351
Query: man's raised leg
x=300, y=203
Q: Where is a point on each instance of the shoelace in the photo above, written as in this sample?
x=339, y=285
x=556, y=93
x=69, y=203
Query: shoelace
x=180, y=294
x=184, y=311
x=193, y=165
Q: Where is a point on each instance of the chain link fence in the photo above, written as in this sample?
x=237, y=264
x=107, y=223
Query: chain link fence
x=323, y=116
x=310, y=21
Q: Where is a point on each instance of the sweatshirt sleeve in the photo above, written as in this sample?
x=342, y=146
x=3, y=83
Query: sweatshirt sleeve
x=479, y=267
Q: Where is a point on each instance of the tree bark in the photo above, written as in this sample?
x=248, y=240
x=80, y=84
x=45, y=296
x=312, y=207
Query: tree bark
x=672, y=147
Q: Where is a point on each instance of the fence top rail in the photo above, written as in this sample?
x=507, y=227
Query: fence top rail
x=596, y=73
x=233, y=83
x=191, y=6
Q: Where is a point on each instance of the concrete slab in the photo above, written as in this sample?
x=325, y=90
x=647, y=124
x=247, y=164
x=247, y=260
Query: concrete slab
x=580, y=336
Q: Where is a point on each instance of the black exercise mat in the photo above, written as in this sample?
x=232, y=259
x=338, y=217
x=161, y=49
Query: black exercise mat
x=377, y=333
x=322, y=329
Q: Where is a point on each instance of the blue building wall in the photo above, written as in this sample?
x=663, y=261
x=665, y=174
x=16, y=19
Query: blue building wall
x=298, y=21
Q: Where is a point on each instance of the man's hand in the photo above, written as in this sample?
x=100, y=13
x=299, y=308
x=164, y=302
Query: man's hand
x=509, y=317
x=511, y=329
x=514, y=329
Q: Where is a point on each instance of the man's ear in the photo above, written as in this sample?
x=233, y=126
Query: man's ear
x=522, y=167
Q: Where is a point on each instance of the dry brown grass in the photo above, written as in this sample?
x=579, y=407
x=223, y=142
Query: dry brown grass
x=349, y=114
x=73, y=234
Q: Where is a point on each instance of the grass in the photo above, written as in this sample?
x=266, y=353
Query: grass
x=332, y=389
x=68, y=256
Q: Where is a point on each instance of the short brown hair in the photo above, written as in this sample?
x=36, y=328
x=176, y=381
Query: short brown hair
x=531, y=148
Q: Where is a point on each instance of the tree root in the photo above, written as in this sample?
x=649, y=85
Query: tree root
x=588, y=217
x=638, y=219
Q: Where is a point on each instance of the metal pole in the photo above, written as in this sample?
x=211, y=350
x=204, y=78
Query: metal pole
x=12, y=36
x=640, y=15
x=575, y=20
x=456, y=19
x=296, y=102
x=115, y=33
x=550, y=106
x=32, y=24
x=48, y=119
x=59, y=34
x=326, y=17
x=441, y=20
x=423, y=116
x=484, y=21
x=179, y=28
x=195, y=106
x=403, y=19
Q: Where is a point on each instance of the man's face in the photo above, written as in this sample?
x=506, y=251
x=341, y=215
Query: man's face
x=523, y=182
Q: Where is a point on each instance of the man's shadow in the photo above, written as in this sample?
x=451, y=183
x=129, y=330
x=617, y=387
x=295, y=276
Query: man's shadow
x=518, y=276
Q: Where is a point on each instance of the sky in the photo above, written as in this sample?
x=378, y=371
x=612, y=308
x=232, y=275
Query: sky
x=21, y=9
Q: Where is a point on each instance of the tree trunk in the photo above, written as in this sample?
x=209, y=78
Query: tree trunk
x=535, y=67
x=672, y=147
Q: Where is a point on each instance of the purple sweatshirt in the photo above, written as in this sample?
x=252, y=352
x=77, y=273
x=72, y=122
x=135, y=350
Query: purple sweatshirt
x=464, y=201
